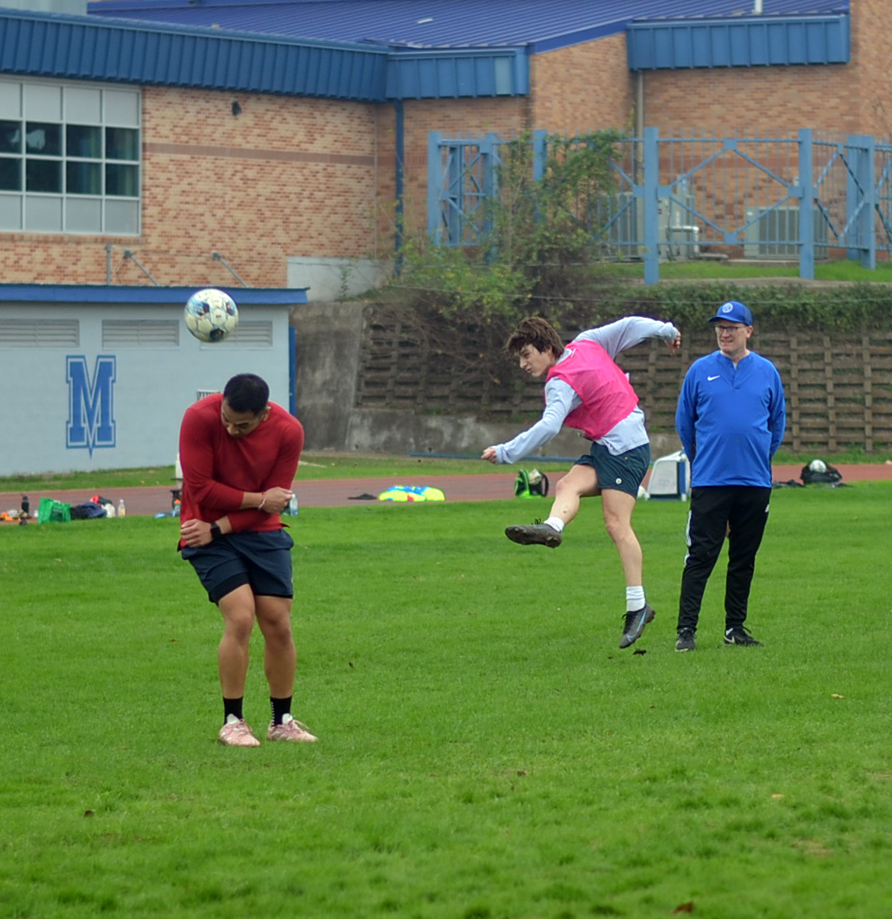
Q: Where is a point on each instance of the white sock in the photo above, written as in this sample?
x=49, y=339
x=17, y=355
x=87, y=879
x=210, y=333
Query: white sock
x=634, y=598
x=555, y=523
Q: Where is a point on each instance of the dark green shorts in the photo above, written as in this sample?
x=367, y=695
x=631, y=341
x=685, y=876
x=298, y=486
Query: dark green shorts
x=622, y=473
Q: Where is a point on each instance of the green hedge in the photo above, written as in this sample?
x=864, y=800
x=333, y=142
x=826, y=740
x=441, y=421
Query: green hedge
x=787, y=306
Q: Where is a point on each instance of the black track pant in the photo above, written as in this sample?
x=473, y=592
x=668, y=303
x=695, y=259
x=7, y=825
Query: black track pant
x=713, y=510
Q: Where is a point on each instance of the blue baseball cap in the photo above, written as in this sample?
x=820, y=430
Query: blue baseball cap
x=733, y=311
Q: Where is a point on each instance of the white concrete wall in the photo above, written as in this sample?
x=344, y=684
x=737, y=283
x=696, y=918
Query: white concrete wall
x=152, y=388
x=329, y=355
x=328, y=279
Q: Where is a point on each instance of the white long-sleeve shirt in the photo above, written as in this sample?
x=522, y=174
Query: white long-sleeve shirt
x=561, y=398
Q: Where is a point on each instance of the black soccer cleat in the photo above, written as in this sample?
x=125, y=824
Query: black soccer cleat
x=635, y=623
x=738, y=635
x=535, y=534
x=685, y=640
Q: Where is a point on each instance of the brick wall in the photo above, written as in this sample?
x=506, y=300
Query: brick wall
x=583, y=88
x=305, y=177
x=871, y=33
x=298, y=177
x=285, y=177
x=837, y=98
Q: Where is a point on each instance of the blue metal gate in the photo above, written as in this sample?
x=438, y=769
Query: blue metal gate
x=795, y=198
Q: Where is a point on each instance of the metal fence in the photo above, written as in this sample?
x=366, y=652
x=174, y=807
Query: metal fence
x=796, y=198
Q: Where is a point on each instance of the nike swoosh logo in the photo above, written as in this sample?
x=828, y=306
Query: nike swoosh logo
x=710, y=379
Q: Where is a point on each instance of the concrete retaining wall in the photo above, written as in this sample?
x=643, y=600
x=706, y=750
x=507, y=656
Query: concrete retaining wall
x=329, y=353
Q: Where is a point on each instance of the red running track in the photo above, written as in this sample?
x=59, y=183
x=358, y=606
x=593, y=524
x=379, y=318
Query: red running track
x=345, y=492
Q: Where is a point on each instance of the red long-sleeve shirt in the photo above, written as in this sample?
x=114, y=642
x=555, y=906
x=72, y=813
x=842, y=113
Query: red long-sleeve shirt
x=218, y=469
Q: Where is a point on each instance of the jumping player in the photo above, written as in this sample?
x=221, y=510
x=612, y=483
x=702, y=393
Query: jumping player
x=586, y=389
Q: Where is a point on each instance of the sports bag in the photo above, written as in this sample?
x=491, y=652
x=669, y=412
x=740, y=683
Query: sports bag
x=51, y=511
x=530, y=484
x=817, y=472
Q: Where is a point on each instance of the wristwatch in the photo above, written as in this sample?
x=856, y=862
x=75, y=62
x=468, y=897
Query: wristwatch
x=215, y=530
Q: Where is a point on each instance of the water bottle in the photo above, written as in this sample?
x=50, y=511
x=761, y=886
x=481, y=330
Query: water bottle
x=292, y=505
x=122, y=511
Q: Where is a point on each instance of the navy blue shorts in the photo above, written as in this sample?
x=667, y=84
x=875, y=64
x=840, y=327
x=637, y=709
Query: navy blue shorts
x=262, y=560
x=623, y=473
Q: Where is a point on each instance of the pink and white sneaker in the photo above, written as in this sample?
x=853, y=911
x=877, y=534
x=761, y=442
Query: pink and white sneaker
x=291, y=730
x=236, y=732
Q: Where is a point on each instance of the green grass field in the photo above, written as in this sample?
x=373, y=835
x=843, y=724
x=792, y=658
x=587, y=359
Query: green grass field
x=682, y=270
x=312, y=467
x=486, y=751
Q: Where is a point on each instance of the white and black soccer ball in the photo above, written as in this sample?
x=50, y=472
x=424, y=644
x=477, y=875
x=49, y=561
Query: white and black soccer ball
x=817, y=465
x=211, y=315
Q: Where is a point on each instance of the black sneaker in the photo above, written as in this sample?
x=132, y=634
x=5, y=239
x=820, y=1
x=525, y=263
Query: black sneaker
x=535, y=534
x=738, y=635
x=685, y=640
x=634, y=625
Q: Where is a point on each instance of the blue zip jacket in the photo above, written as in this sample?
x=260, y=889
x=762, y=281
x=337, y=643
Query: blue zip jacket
x=731, y=419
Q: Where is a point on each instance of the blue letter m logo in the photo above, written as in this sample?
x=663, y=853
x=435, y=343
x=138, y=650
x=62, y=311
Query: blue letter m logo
x=91, y=417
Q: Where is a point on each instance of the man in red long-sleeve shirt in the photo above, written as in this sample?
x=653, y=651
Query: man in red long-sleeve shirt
x=239, y=454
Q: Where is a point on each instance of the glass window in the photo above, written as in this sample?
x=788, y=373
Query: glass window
x=83, y=140
x=121, y=216
x=10, y=137
x=121, y=108
x=122, y=181
x=10, y=100
x=43, y=213
x=83, y=215
x=44, y=139
x=69, y=157
x=10, y=173
x=83, y=105
x=121, y=144
x=43, y=101
x=43, y=175
x=83, y=178
x=10, y=212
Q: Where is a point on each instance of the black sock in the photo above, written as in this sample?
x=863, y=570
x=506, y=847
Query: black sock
x=280, y=708
x=232, y=707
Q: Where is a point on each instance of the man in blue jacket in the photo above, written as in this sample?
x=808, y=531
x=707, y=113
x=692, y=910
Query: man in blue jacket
x=731, y=419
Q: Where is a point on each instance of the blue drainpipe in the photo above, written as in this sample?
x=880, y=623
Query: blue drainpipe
x=400, y=155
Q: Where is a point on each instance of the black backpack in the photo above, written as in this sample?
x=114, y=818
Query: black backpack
x=87, y=510
x=817, y=472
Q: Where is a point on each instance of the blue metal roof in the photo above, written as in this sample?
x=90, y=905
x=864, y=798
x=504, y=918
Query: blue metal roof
x=136, y=295
x=379, y=50
x=93, y=47
x=751, y=42
x=88, y=47
x=539, y=25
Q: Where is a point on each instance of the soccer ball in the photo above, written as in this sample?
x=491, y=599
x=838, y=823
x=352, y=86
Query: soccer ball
x=817, y=465
x=211, y=315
